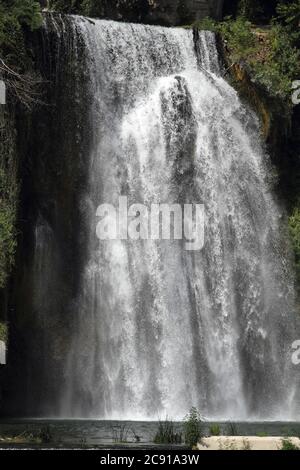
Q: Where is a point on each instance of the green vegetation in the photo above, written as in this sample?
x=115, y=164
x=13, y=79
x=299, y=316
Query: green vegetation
x=8, y=202
x=16, y=62
x=270, y=54
x=289, y=13
x=16, y=69
x=251, y=9
x=166, y=434
x=215, y=430
x=287, y=444
x=3, y=332
x=294, y=226
x=15, y=15
x=193, y=428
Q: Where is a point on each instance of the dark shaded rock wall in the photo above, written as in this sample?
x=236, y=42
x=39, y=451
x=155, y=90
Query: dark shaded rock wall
x=178, y=12
x=54, y=140
x=163, y=12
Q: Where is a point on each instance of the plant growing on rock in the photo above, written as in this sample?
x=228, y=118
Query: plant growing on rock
x=193, y=427
x=287, y=444
x=166, y=433
x=215, y=430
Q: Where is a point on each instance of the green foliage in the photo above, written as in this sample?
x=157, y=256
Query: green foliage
x=250, y=9
x=238, y=35
x=257, y=11
x=15, y=15
x=206, y=24
x=193, y=428
x=166, y=434
x=282, y=65
x=288, y=445
x=240, y=38
x=215, y=430
x=16, y=69
x=27, y=12
x=262, y=434
x=3, y=331
x=289, y=13
x=7, y=226
x=294, y=226
x=273, y=62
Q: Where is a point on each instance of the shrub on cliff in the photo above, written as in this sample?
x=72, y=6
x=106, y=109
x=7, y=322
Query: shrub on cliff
x=271, y=55
x=281, y=65
x=16, y=65
x=17, y=72
x=289, y=13
x=294, y=225
x=8, y=202
x=3, y=332
x=240, y=38
x=14, y=16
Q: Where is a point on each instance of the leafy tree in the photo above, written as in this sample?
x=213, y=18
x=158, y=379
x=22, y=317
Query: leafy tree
x=14, y=16
x=289, y=13
x=239, y=36
x=250, y=9
x=257, y=11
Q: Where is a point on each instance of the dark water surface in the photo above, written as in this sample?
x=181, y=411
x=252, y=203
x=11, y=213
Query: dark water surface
x=111, y=434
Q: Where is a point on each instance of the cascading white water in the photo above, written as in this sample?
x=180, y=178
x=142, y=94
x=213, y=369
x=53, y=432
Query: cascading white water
x=160, y=329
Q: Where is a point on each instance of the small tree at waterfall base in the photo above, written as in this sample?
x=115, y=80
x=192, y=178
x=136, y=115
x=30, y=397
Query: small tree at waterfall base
x=193, y=427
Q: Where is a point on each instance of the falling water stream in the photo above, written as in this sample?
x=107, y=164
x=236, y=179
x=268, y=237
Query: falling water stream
x=159, y=329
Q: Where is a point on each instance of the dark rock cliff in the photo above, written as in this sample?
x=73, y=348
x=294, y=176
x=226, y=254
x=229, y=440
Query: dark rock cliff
x=163, y=12
x=54, y=143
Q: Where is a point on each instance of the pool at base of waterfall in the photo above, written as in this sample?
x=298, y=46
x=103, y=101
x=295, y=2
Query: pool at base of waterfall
x=119, y=434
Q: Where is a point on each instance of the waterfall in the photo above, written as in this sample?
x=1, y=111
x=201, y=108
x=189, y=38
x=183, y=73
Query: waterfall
x=158, y=329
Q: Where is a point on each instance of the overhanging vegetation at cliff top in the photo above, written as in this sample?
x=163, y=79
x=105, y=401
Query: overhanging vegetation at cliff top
x=270, y=53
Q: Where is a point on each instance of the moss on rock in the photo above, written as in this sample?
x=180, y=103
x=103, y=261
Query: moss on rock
x=8, y=193
x=3, y=331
